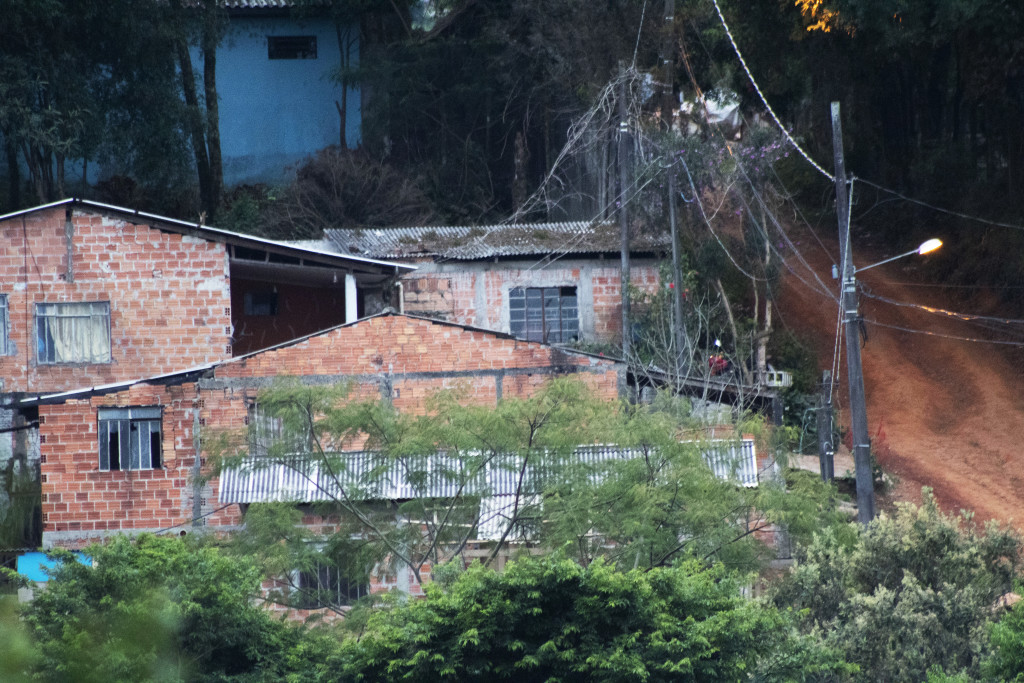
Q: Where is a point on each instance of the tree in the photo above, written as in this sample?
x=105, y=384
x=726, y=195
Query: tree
x=550, y=619
x=907, y=594
x=523, y=474
x=159, y=608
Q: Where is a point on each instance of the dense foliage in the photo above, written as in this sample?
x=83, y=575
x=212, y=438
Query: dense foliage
x=910, y=593
x=554, y=620
x=161, y=609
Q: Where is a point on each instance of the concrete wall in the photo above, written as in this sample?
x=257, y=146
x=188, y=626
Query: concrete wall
x=476, y=293
x=170, y=305
x=276, y=112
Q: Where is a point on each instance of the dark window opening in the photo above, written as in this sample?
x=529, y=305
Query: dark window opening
x=544, y=314
x=260, y=303
x=291, y=47
x=326, y=585
x=130, y=438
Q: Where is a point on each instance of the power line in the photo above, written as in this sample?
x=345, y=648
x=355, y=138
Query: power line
x=966, y=317
x=941, y=335
x=764, y=99
x=958, y=214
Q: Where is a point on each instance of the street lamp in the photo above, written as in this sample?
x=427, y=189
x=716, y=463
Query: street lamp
x=855, y=373
x=926, y=247
x=848, y=303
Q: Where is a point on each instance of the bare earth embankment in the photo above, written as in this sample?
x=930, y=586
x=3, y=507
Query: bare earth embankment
x=950, y=413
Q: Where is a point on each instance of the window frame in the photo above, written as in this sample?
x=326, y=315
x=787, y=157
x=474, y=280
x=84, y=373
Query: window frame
x=45, y=322
x=130, y=420
x=341, y=592
x=530, y=306
x=291, y=47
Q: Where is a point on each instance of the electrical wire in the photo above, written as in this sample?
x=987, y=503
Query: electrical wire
x=764, y=100
x=942, y=335
x=966, y=317
x=958, y=214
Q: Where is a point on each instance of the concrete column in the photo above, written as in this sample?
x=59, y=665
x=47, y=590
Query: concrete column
x=351, y=299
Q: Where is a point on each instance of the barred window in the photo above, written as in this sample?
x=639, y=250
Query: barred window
x=130, y=438
x=73, y=333
x=264, y=430
x=544, y=314
x=326, y=585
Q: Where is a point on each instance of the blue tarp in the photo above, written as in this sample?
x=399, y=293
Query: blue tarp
x=35, y=565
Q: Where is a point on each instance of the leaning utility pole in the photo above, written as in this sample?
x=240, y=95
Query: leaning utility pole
x=848, y=302
x=623, y=152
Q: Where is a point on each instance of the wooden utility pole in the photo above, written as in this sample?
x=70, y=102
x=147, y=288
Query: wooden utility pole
x=855, y=372
x=623, y=153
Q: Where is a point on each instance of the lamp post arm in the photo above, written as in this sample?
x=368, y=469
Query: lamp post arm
x=888, y=260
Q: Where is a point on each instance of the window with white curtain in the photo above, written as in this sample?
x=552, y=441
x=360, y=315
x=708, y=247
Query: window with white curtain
x=73, y=333
x=130, y=438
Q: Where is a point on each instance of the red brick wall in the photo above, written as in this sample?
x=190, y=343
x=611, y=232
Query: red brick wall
x=168, y=294
x=82, y=503
x=413, y=351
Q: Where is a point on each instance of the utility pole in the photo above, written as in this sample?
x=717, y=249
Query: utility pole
x=826, y=449
x=623, y=151
x=855, y=372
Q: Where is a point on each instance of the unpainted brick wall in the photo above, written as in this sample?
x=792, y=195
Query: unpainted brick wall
x=414, y=357
x=170, y=304
x=453, y=295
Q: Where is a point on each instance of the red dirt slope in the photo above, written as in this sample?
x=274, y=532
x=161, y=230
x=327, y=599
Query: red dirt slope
x=950, y=413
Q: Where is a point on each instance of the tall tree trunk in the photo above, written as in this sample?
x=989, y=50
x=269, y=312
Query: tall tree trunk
x=209, y=44
x=13, y=175
x=344, y=45
x=194, y=123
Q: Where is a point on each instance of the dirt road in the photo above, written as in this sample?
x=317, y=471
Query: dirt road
x=942, y=412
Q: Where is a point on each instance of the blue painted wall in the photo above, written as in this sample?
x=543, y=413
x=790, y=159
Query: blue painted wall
x=276, y=112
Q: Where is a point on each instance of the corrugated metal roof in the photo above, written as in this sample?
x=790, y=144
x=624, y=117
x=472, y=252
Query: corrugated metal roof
x=361, y=476
x=480, y=242
x=312, y=251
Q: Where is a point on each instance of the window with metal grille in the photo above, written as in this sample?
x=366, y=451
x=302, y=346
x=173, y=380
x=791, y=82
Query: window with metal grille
x=130, y=438
x=544, y=314
x=4, y=343
x=73, y=333
x=264, y=430
x=326, y=585
x=291, y=47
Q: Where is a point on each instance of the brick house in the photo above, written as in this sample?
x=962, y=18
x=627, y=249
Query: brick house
x=90, y=492
x=124, y=458
x=551, y=282
x=94, y=294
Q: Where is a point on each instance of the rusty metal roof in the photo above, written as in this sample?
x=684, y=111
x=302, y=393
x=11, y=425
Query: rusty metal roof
x=491, y=241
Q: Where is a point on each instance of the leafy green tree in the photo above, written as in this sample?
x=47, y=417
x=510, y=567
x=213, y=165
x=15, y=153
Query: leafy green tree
x=523, y=474
x=550, y=619
x=160, y=609
x=909, y=593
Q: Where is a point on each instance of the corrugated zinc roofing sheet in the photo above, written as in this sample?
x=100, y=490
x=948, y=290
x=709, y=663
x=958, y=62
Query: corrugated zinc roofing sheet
x=361, y=476
x=479, y=242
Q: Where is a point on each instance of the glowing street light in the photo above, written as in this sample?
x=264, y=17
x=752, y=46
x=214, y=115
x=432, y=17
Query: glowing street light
x=926, y=247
